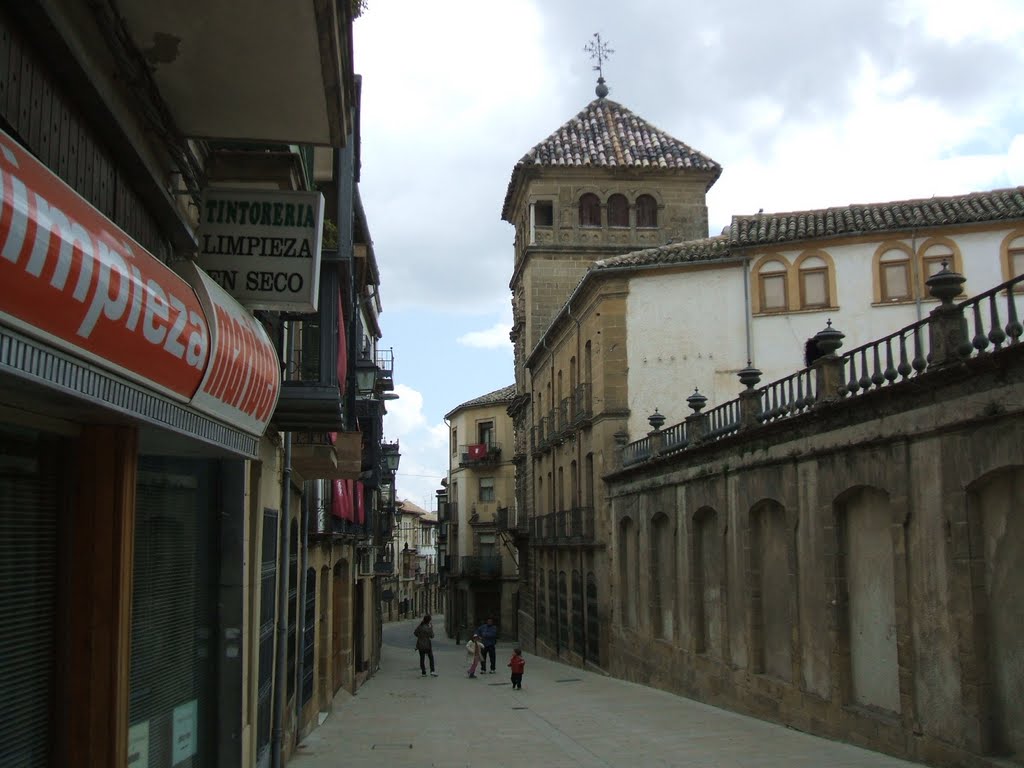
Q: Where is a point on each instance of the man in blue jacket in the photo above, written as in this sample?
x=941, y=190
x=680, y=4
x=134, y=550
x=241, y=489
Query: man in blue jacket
x=489, y=636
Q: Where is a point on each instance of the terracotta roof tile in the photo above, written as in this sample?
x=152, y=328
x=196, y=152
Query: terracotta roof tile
x=606, y=134
x=706, y=249
x=773, y=228
x=498, y=396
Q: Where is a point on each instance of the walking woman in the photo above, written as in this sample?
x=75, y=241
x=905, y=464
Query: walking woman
x=424, y=633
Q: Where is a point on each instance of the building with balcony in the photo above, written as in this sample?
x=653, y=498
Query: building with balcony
x=617, y=333
x=218, y=585
x=480, y=559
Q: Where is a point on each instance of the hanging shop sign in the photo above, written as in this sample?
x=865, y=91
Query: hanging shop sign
x=263, y=246
x=243, y=380
x=70, y=278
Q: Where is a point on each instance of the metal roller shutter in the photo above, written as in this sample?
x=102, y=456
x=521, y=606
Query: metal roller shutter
x=172, y=708
x=28, y=597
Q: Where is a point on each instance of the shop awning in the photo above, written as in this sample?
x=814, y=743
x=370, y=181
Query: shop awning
x=89, y=310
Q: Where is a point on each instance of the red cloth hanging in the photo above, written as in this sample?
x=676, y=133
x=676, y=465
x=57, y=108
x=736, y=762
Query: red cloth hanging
x=360, y=508
x=341, y=503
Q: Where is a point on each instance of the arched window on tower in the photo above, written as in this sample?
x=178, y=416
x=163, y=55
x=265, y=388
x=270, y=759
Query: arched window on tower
x=618, y=211
x=590, y=210
x=646, y=211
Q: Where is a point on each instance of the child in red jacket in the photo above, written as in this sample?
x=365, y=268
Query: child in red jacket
x=517, y=663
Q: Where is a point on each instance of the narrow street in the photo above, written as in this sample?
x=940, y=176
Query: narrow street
x=563, y=717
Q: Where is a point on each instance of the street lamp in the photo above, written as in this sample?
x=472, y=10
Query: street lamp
x=366, y=375
x=391, y=456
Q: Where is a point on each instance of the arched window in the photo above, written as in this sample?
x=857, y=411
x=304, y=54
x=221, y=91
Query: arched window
x=590, y=210
x=1013, y=258
x=618, y=211
x=646, y=211
x=814, y=283
x=894, y=275
x=933, y=258
x=771, y=281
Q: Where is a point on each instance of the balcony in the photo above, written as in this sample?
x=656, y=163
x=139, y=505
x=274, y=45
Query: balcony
x=479, y=454
x=562, y=415
x=311, y=395
x=582, y=408
x=348, y=529
x=318, y=456
x=481, y=567
x=296, y=85
x=565, y=528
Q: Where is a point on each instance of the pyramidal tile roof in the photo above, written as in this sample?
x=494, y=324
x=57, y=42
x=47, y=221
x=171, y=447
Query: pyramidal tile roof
x=503, y=395
x=606, y=134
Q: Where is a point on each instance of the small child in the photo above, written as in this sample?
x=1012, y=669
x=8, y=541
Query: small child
x=517, y=663
x=473, y=650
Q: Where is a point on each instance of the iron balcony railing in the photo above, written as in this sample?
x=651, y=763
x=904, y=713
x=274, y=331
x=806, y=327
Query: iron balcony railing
x=562, y=415
x=481, y=567
x=581, y=406
x=479, y=453
x=565, y=527
x=983, y=324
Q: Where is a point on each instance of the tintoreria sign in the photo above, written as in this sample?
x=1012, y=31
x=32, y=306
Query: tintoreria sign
x=263, y=247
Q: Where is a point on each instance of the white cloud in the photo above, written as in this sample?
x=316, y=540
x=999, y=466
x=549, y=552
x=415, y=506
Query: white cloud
x=804, y=105
x=494, y=337
x=406, y=413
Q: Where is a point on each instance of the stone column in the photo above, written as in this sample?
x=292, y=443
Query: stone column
x=656, y=438
x=750, y=398
x=947, y=326
x=696, y=422
x=828, y=369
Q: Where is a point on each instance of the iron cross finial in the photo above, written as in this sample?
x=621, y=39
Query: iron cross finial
x=599, y=51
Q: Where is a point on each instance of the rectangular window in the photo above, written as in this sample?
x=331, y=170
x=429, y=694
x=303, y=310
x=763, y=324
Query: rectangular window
x=813, y=288
x=544, y=213
x=486, y=544
x=455, y=440
x=895, y=281
x=1017, y=266
x=773, y=292
x=486, y=489
x=933, y=264
x=485, y=432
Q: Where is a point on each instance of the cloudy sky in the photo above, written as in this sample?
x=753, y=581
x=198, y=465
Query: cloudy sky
x=804, y=103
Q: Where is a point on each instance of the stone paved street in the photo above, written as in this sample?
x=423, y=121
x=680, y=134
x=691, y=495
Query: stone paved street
x=563, y=718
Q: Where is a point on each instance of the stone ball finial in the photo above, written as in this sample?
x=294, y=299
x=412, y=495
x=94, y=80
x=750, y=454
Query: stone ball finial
x=601, y=90
x=696, y=401
x=656, y=420
x=749, y=376
x=945, y=285
x=829, y=339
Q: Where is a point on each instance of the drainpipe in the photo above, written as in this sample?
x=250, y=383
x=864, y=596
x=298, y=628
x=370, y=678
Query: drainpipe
x=280, y=684
x=915, y=273
x=300, y=613
x=747, y=321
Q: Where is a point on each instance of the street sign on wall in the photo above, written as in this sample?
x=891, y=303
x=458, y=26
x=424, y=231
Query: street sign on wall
x=263, y=246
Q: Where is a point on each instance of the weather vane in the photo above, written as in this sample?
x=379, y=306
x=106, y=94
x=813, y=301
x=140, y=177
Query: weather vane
x=599, y=52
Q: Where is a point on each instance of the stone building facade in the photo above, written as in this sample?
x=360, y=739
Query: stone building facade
x=477, y=553
x=629, y=565
x=850, y=568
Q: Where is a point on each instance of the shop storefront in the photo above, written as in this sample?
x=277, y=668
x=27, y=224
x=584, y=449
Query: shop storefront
x=132, y=395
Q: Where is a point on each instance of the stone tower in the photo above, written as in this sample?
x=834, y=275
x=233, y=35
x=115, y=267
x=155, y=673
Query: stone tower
x=606, y=183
